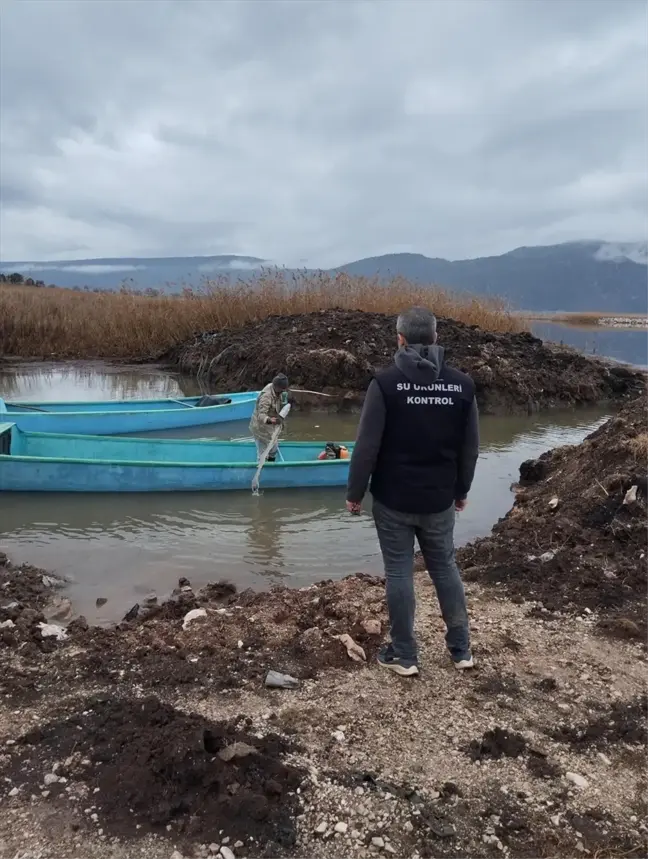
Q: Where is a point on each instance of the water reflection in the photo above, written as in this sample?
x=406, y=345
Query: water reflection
x=89, y=382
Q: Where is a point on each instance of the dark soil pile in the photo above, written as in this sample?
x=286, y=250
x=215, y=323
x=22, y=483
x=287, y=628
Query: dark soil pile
x=239, y=640
x=496, y=744
x=622, y=723
x=338, y=351
x=575, y=539
x=24, y=592
x=134, y=766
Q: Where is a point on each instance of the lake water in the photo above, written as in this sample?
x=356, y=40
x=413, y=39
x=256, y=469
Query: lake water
x=622, y=344
x=121, y=547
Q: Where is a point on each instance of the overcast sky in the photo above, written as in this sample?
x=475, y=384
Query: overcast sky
x=320, y=132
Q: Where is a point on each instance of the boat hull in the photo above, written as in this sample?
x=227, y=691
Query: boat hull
x=45, y=462
x=117, y=417
x=43, y=476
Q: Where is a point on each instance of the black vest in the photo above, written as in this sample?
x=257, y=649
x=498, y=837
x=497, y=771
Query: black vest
x=425, y=427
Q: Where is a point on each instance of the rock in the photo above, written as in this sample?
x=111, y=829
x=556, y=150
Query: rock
x=389, y=848
x=132, y=613
x=371, y=626
x=547, y=556
x=320, y=829
x=7, y=624
x=50, y=778
x=354, y=651
x=214, y=848
x=555, y=819
x=554, y=503
x=312, y=637
x=52, y=630
x=150, y=599
x=100, y=601
x=226, y=853
x=177, y=855
x=50, y=582
x=408, y=826
x=564, y=708
x=275, y=680
x=191, y=616
x=341, y=827
x=577, y=779
x=236, y=750
x=631, y=495
x=356, y=835
x=238, y=844
x=60, y=608
x=377, y=841
x=605, y=759
x=339, y=736
x=14, y=791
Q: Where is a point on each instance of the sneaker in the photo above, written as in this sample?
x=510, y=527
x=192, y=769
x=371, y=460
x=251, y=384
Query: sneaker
x=402, y=667
x=464, y=664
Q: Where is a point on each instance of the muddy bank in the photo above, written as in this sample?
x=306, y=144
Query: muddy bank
x=575, y=539
x=338, y=352
x=160, y=735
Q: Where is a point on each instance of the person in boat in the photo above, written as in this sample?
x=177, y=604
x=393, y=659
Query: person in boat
x=418, y=443
x=266, y=417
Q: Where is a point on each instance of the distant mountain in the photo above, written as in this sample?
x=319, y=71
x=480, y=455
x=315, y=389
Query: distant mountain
x=587, y=275
x=567, y=277
x=167, y=273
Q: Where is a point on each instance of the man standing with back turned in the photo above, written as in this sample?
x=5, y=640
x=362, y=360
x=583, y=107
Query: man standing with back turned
x=418, y=442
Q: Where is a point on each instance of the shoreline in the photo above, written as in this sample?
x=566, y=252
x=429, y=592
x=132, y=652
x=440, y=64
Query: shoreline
x=592, y=320
x=160, y=734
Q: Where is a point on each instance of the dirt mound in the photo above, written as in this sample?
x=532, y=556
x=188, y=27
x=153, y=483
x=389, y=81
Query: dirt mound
x=26, y=592
x=624, y=722
x=238, y=639
x=575, y=540
x=338, y=351
x=132, y=766
x=496, y=744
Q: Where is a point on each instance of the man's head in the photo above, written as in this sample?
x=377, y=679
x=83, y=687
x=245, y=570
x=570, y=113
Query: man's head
x=280, y=383
x=416, y=326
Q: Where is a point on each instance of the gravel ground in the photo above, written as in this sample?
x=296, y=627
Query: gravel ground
x=497, y=761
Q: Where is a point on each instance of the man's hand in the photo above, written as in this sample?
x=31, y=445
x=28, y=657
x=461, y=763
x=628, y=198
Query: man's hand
x=354, y=507
x=273, y=421
x=461, y=505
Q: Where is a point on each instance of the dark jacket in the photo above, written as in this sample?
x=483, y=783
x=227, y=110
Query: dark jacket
x=418, y=438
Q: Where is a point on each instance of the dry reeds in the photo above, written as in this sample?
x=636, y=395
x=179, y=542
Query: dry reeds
x=63, y=323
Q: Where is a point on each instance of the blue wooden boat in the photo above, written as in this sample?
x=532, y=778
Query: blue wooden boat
x=56, y=462
x=116, y=417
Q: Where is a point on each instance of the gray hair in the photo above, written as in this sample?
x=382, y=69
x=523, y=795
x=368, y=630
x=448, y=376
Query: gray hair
x=417, y=325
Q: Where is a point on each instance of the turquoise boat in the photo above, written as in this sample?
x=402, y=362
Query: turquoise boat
x=57, y=462
x=118, y=417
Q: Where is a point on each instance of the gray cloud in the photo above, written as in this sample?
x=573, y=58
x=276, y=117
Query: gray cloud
x=320, y=130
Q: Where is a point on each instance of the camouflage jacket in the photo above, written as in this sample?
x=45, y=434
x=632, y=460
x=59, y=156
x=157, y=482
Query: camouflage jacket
x=268, y=405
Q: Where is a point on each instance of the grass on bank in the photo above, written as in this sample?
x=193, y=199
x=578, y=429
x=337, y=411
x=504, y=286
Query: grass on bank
x=63, y=323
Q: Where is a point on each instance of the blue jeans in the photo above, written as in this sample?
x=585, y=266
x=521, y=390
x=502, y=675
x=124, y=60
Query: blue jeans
x=435, y=535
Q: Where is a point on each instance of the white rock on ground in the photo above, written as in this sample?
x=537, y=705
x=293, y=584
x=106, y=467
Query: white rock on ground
x=577, y=779
x=341, y=827
x=52, y=630
x=321, y=828
x=50, y=778
x=377, y=841
x=193, y=615
x=226, y=853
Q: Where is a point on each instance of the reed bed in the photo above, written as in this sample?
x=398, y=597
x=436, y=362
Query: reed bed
x=62, y=323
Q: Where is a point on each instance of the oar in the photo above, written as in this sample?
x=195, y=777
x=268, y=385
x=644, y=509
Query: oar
x=262, y=459
x=303, y=391
x=25, y=406
x=180, y=403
